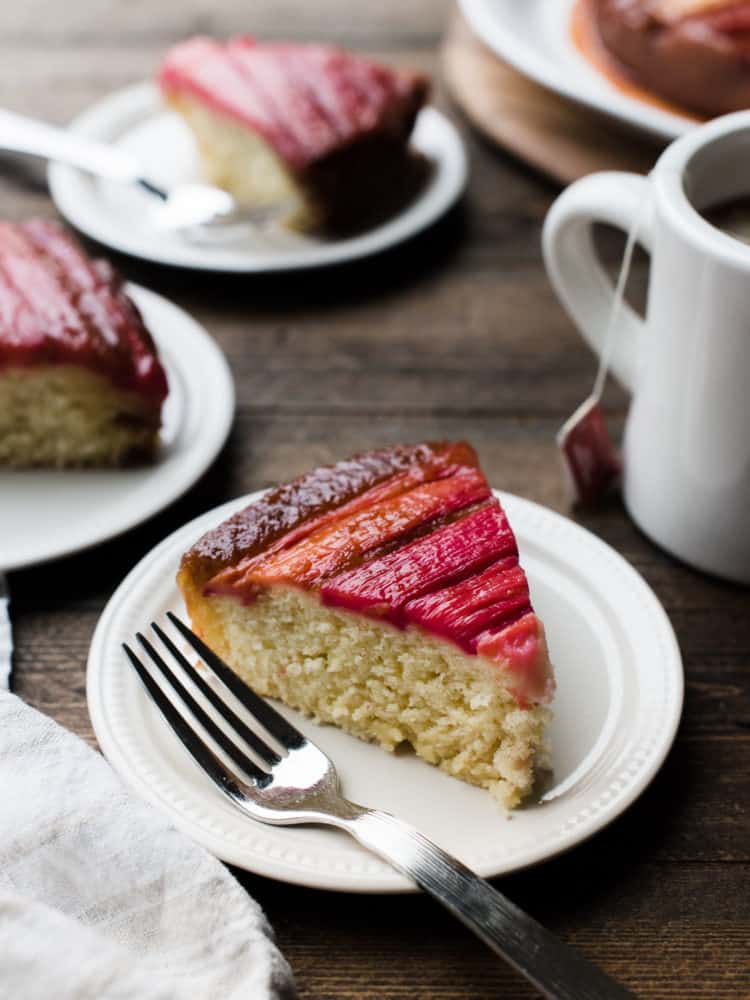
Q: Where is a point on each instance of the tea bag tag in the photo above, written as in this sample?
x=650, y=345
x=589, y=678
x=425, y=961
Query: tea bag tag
x=591, y=462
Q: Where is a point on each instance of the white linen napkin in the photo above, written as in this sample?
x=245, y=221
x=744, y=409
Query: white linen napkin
x=6, y=636
x=101, y=899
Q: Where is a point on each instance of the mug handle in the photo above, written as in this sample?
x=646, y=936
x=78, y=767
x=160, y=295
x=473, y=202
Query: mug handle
x=580, y=281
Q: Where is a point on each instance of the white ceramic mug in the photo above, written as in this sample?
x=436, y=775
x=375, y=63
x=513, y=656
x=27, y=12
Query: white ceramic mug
x=687, y=437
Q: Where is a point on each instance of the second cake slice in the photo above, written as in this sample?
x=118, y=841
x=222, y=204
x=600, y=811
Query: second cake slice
x=384, y=595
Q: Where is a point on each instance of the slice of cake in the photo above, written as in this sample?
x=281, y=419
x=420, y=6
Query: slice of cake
x=695, y=53
x=311, y=127
x=80, y=380
x=384, y=595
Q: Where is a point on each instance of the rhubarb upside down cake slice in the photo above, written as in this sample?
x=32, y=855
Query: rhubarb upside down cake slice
x=321, y=132
x=384, y=595
x=81, y=383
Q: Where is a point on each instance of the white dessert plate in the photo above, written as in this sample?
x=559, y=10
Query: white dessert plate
x=120, y=215
x=617, y=707
x=48, y=513
x=534, y=37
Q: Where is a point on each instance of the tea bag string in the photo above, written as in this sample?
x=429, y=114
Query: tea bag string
x=605, y=357
x=590, y=460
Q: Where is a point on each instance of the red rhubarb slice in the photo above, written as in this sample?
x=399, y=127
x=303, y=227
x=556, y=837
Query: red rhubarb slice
x=202, y=66
x=64, y=328
x=325, y=75
x=383, y=586
x=392, y=487
x=118, y=337
x=57, y=307
x=296, y=509
x=271, y=71
x=306, y=101
x=521, y=646
x=499, y=594
x=338, y=546
x=20, y=328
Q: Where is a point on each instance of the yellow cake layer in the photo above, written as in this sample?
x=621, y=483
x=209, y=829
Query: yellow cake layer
x=379, y=683
x=64, y=415
x=240, y=161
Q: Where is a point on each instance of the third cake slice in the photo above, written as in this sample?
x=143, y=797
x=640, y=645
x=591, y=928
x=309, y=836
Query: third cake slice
x=692, y=52
x=384, y=595
x=81, y=383
x=318, y=130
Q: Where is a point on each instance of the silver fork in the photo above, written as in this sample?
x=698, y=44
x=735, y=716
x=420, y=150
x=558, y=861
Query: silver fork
x=300, y=785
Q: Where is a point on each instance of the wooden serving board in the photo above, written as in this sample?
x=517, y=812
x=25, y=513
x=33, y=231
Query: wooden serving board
x=558, y=137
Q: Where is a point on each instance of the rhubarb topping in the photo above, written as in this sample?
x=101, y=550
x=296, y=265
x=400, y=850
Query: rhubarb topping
x=294, y=510
x=58, y=307
x=489, y=599
x=340, y=544
x=523, y=646
x=306, y=101
x=384, y=586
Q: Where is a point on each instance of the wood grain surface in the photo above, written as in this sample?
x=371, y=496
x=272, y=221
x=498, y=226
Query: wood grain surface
x=456, y=334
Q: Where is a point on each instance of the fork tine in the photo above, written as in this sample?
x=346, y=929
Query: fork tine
x=198, y=750
x=269, y=718
x=265, y=752
x=198, y=713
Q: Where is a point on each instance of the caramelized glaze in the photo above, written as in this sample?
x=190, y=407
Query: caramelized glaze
x=293, y=510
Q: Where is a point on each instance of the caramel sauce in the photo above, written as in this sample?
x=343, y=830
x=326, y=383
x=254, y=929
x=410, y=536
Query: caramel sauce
x=585, y=37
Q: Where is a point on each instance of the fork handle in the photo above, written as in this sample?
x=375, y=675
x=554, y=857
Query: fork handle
x=19, y=134
x=553, y=967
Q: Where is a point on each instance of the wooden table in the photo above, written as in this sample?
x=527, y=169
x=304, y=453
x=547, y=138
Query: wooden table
x=455, y=335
